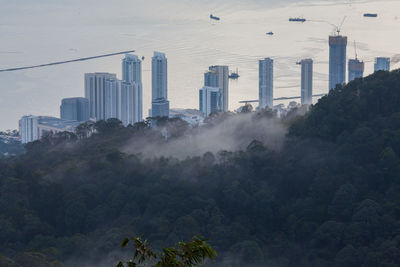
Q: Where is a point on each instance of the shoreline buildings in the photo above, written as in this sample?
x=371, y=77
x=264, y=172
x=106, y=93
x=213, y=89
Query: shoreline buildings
x=337, y=60
x=266, y=83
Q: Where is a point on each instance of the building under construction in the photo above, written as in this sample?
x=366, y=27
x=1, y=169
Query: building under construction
x=337, y=60
x=356, y=69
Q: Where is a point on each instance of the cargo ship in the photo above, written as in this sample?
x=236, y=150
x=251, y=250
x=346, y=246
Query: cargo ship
x=370, y=15
x=297, y=19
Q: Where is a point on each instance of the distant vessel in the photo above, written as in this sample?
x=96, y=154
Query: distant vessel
x=270, y=33
x=214, y=17
x=234, y=75
x=370, y=15
x=297, y=19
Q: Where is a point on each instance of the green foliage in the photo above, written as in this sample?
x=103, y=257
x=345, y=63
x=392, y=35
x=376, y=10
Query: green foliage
x=183, y=254
x=329, y=197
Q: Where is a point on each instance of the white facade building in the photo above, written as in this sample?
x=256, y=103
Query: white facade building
x=266, y=83
x=132, y=73
x=95, y=93
x=210, y=100
x=33, y=128
x=112, y=99
x=129, y=103
x=122, y=101
x=28, y=129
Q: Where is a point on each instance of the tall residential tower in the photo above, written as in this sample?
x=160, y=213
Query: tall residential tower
x=132, y=73
x=95, y=92
x=266, y=83
x=160, y=103
x=337, y=60
x=306, y=81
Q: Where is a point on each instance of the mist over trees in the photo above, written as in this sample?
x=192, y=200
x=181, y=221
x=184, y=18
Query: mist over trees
x=326, y=195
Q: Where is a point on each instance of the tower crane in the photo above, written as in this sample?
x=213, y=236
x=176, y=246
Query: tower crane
x=338, y=29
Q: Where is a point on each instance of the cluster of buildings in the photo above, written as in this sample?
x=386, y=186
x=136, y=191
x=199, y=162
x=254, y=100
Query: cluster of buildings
x=107, y=97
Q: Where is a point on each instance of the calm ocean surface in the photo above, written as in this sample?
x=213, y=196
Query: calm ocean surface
x=34, y=32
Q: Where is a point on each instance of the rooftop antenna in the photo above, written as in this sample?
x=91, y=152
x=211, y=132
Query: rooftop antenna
x=340, y=27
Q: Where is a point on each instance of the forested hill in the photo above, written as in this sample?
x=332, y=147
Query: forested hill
x=329, y=195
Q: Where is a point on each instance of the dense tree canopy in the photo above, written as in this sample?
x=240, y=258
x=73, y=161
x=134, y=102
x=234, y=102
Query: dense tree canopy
x=329, y=197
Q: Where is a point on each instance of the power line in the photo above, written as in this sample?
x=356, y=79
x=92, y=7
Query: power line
x=65, y=62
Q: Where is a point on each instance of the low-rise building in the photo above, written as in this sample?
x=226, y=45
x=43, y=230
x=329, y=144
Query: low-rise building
x=32, y=128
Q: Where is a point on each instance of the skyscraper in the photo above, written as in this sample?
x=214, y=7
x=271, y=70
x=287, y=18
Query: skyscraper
x=337, y=60
x=210, y=100
x=382, y=63
x=306, y=81
x=112, y=99
x=218, y=76
x=159, y=73
x=266, y=83
x=129, y=113
x=159, y=76
x=75, y=109
x=132, y=73
x=121, y=101
x=94, y=92
x=356, y=69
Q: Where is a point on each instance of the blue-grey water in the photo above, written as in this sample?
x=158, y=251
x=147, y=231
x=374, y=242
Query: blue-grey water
x=34, y=32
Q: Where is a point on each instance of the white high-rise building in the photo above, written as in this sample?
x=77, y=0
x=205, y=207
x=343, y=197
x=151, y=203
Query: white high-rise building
x=210, y=100
x=306, y=81
x=218, y=76
x=159, y=76
x=129, y=98
x=112, y=99
x=95, y=93
x=266, y=83
x=382, y=63
x=132, y=73
x=122, y=101
x=28, y=129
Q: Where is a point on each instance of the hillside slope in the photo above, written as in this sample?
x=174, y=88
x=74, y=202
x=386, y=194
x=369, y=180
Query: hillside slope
x=329, y=197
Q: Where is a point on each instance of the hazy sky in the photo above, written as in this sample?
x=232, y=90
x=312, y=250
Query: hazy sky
x=34, y=32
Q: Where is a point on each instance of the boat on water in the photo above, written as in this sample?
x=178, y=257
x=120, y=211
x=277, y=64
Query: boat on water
x=370, y=15
x=270, y=33
x=214, y=17
x=297, y=19
x=234, y=75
